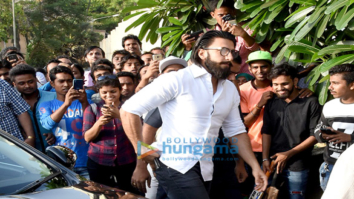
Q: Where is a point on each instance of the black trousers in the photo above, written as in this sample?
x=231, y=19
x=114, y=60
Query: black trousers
x=177, y=185
x=118, y=176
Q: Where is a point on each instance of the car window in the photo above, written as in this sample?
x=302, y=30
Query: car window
x=19, y=169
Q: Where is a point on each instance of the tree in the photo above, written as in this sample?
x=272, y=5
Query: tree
x=58, y=27
x=103, y=8
x=177, y=17
x=300, y=31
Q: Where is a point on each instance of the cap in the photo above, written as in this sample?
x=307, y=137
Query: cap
x=171, y=60
x=259, y=55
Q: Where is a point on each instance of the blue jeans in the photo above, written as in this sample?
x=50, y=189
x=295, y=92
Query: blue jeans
x=325, y=172
x=82, y=171
x=295, y=182
x=178, y=185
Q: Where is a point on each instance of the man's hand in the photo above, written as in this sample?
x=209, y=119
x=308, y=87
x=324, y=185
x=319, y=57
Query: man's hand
x=70, y=96
x=236, y=30
x=265, y=97
x=140, y=176
x=266, y=166
x=337, y=137
x=31, y=142
x=261, y=180
x=82, y=96
x=281, y=159
x=152, y=70
x=241, y=172
x=305, y=92
x=50, y=138
x=188, y=43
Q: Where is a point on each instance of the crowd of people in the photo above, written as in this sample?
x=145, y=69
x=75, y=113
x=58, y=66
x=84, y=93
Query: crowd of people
x=225, y=87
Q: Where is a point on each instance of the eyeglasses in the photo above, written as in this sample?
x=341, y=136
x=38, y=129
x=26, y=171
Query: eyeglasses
x=106, y=77
x=223, y=50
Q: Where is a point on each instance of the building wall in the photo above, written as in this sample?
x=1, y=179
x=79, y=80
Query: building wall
x=114, y=40
x=23, y=45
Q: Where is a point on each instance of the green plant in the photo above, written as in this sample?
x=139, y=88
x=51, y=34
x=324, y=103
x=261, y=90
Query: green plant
x=170, y=19
x=304, y=32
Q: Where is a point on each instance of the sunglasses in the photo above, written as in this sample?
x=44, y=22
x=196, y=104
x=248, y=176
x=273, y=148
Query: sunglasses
x=106, y=77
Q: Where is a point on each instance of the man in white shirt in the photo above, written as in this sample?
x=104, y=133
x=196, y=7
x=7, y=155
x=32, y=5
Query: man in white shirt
x=194, y=103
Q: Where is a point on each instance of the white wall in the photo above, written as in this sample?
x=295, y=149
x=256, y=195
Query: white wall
x=114, y=40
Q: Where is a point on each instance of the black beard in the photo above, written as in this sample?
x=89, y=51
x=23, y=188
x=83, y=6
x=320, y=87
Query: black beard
x=215, y=70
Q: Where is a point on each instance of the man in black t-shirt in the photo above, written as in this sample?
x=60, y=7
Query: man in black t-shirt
x=288, y=130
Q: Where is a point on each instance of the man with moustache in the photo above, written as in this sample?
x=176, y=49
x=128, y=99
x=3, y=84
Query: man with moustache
x=24, y=80
x=132, y=44
x=193, y=102
x=288, y=131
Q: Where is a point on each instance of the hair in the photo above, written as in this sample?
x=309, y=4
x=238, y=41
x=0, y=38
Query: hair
x=283, y=69
x=146, y=53
x=131, y=56
x=51, y=61
x=158, y=48
x=206, y=40
x=130, y=36
x=79, y=67
x=347, y=71
x=3, y=51
x=138, y=77
x=22, y=69
x=101, y=64
x=237, y=58
x=6, y=63
x=41, y=70
x=66, y=57
x=122, y=52
x=213, y=4
x=59, y=69
x=91, y=48
x=108, y=82
x=126, y=74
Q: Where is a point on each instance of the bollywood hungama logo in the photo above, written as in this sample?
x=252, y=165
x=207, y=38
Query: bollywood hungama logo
x=145, y=150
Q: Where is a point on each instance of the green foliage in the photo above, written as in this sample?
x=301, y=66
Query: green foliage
x=97, y=9
x=177, y=17
x=317, y=31
x=58, y=27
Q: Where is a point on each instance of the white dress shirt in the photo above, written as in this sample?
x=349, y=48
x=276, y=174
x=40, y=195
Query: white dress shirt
x=192, y=116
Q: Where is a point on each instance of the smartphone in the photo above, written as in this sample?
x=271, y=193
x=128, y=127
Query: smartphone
x=195, y=35
x=12, y=58
x=325, y=130
x=230, y=19
x=157, y=57
x=78, y=84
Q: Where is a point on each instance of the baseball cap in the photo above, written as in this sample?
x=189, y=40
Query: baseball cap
x=259, y=55
x=171, y=60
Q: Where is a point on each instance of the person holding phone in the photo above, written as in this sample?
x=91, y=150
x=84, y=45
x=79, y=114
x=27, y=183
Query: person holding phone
x=245, y=42
x=336, y=126
x=63, y=115
x=111, y=157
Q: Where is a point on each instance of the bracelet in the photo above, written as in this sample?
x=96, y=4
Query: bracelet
x=266, y=159
x=29, y=137
x=254, y=114
x=258, y=107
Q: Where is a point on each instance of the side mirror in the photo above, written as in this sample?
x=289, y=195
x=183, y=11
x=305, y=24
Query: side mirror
x=63, y=155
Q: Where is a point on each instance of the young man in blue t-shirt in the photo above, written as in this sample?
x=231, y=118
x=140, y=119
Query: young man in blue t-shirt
x=64, y=114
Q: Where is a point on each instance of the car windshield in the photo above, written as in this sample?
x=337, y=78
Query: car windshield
x=18, y=168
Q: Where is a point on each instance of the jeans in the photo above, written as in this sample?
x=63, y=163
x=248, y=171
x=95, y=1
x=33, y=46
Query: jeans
x=325, y=172
x=295, y=183
x=82, y=171
x=178, y=185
